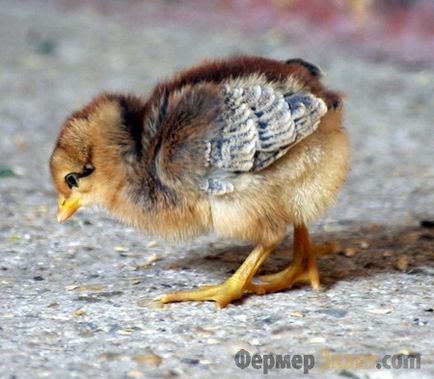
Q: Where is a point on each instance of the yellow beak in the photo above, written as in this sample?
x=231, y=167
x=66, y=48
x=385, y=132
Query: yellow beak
x=67, y=207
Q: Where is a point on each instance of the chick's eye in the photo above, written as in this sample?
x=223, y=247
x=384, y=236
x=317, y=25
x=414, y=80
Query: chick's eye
x=72, y=180
x=87, y=170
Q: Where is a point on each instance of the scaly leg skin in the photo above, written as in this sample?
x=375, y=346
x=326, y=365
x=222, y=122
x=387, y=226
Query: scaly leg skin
x=234, y=288
x=317, y=250
x=302, y=269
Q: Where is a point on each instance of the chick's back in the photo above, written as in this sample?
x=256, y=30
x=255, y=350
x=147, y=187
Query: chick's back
x=261, y=141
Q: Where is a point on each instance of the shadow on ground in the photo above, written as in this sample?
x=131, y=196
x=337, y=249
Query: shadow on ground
x=363, y=252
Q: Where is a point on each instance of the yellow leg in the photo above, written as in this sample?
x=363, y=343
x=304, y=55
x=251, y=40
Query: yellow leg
x=302, y=269
x=234, y=288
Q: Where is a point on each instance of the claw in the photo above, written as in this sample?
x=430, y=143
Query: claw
x=222, y=294
x=233, y=289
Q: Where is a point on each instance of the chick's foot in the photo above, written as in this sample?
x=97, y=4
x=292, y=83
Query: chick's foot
x=234, y=288
x=286, y=278
x=303, y=269
x=222, y=294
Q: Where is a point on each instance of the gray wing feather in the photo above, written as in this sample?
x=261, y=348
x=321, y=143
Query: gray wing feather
x=258, y=125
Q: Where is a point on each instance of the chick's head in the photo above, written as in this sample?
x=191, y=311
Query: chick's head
x=86, y=164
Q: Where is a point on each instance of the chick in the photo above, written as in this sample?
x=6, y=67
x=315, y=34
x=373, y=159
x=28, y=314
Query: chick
x=243, y=147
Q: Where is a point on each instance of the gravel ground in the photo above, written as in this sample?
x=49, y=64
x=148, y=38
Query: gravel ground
x=75, y=298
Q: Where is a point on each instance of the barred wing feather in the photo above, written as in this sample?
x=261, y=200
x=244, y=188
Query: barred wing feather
x=258, y=125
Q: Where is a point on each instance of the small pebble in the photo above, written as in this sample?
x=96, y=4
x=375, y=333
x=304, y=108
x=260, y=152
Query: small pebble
x=402, y=264
x=364, y=244
x=150, y=359
x=153, y=258
x=317, y=340
x=408, y=353
x=349, y=252
x=90, y=288
x=111, y=356
x=419, y=322
x=80, y=312
x=152, y=244
x=121, y=249
x=381, y=311
x=190, y=361
x=135, y=374
x=213, y=341
x=205, y=362
x=124, y=332
x=297, y=314
x=201, y=332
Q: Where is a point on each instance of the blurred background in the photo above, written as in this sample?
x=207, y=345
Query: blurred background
x=56, y=55
x=402, y=29
x=69, y=293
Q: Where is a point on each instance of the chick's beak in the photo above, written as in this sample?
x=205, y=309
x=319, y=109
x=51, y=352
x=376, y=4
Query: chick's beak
x=67, y=207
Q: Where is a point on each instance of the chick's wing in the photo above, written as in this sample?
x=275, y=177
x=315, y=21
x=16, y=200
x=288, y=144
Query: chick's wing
x=236, y=129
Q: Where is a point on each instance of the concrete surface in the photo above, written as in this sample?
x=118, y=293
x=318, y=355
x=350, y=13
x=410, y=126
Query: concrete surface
x=74, y=298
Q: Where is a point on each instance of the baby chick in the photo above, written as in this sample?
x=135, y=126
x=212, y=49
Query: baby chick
x=243, y=147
